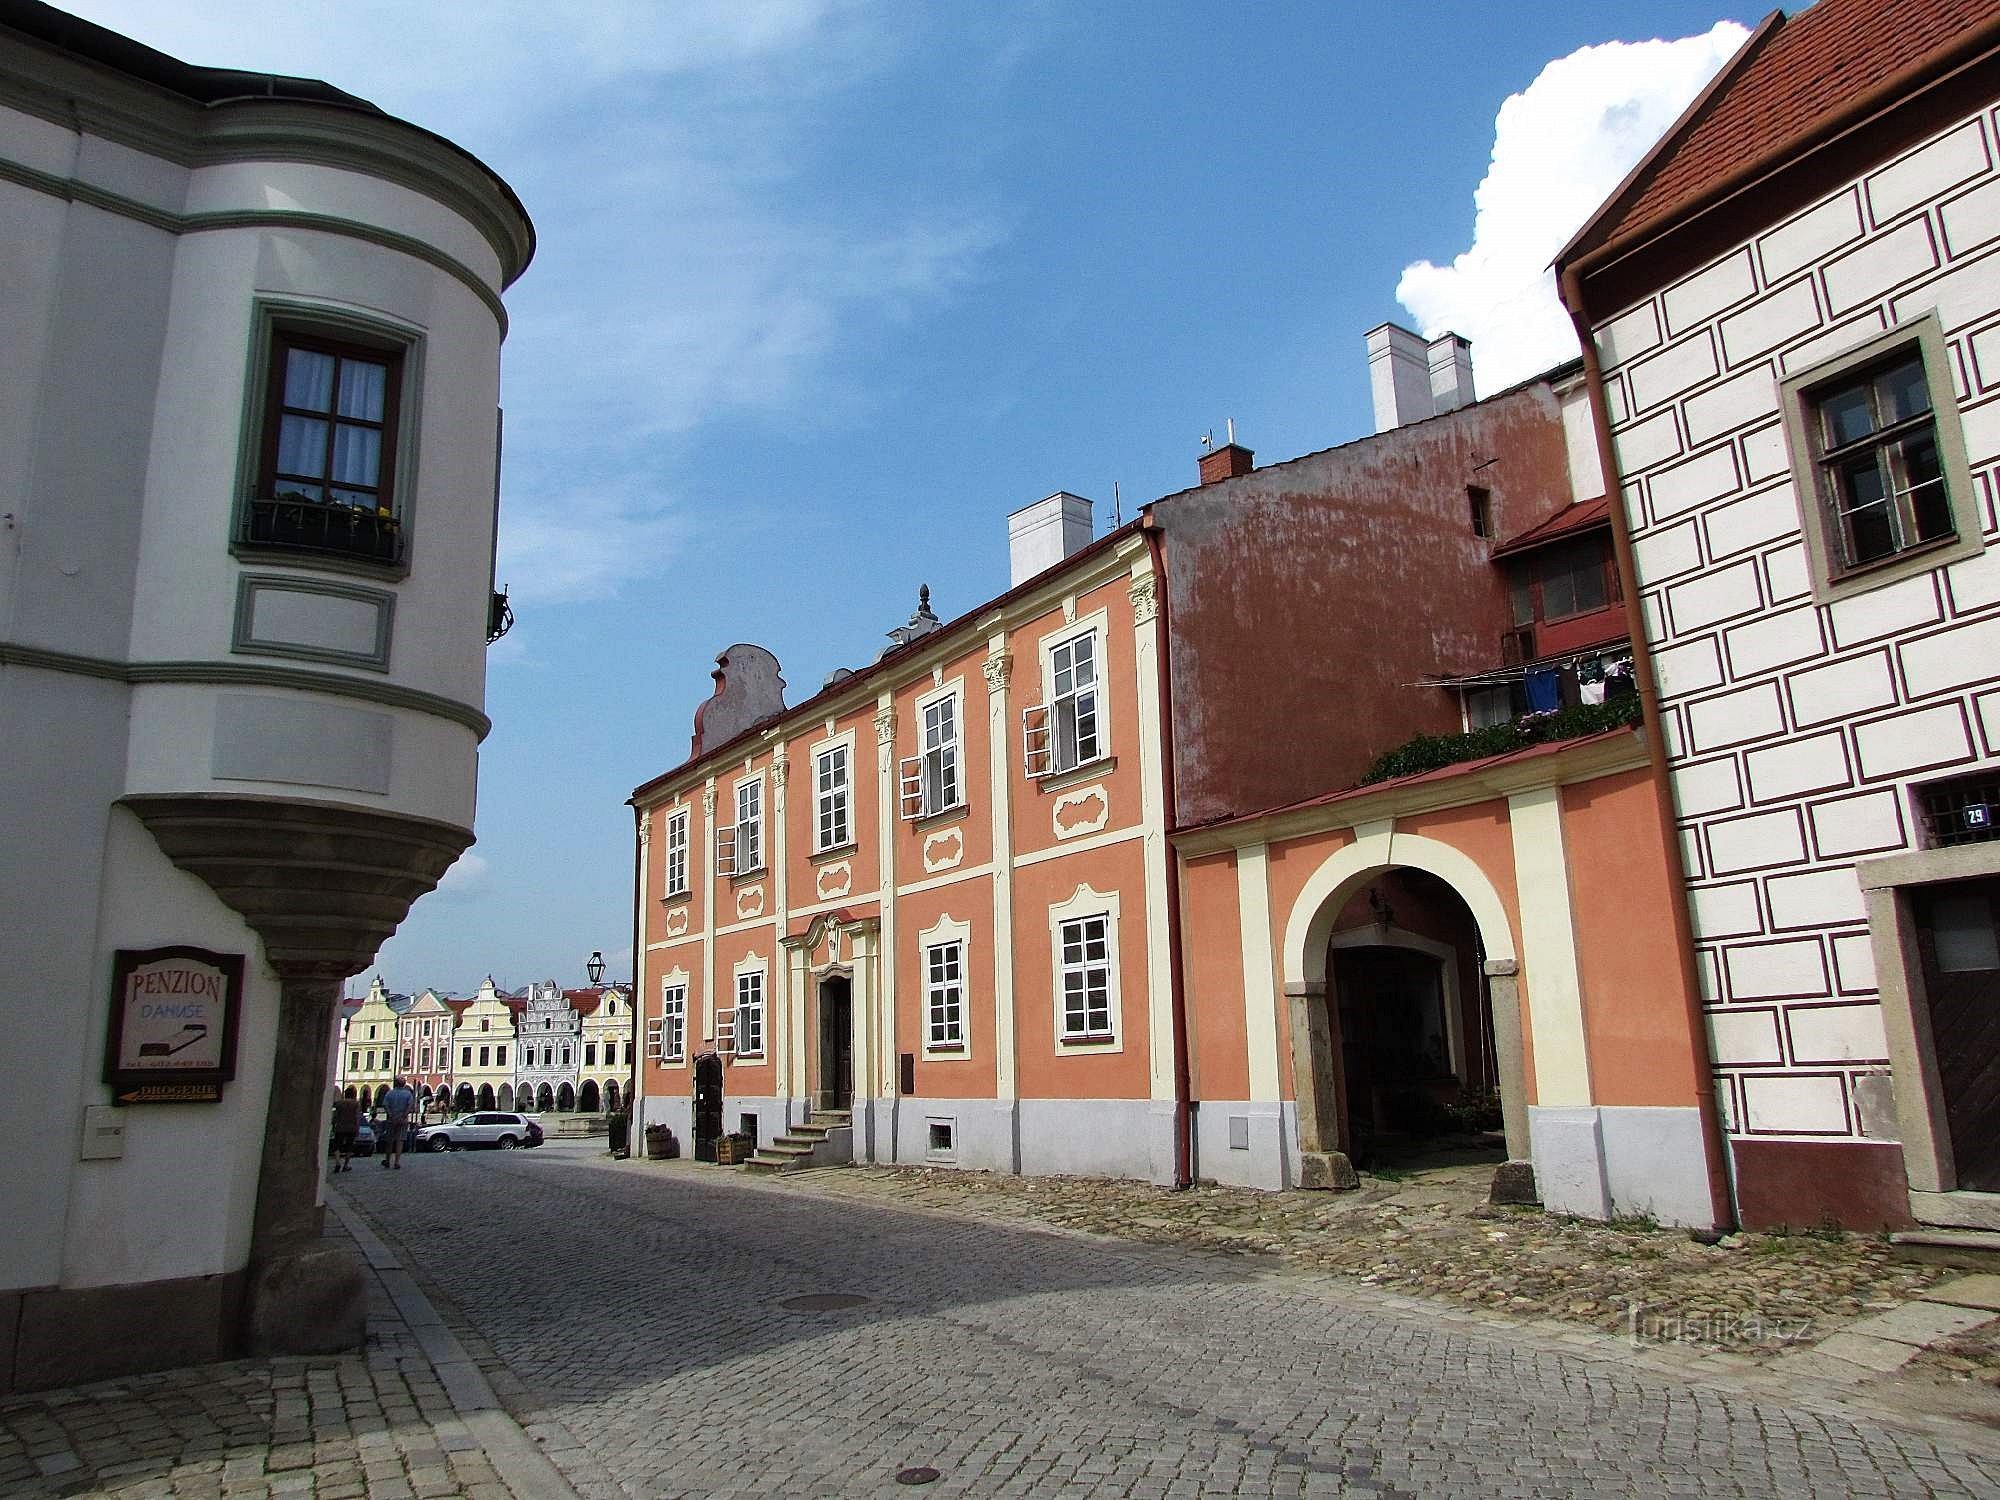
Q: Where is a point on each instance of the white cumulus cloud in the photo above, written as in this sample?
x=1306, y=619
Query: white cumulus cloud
x=1559, y=147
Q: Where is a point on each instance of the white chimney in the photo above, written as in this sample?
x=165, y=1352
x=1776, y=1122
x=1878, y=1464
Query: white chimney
x=1399, y=372
x=1041, y=535
x=1451, y=373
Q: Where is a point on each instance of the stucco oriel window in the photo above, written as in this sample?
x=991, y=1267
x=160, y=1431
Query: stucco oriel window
x=1879, y=461
x=330, y=433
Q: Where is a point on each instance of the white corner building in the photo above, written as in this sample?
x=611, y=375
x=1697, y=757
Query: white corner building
x=248, y=481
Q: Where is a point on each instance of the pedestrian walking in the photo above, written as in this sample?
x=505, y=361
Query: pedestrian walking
x=346, y=1124
x=396, y=1107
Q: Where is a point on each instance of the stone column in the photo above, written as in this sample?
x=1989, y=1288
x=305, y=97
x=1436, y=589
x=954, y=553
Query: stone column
x=1317, y=1087
x=322, y=886
x=1513, y=1179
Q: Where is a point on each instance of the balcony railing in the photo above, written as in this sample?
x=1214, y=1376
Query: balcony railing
x=314, y=526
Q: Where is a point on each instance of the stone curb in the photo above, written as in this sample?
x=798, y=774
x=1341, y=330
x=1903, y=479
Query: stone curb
x=520, y=1463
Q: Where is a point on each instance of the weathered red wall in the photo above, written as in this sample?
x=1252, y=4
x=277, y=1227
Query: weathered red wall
x=1306, y=599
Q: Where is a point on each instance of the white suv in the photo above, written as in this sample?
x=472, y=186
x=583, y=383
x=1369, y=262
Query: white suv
x=485, y=1128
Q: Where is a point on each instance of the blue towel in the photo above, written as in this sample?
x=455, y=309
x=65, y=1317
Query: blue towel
x=1543, y=695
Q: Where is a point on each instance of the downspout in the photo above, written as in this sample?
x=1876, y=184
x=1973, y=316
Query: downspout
x=634, y=1131
x=1177, y=986
x=1721, y=1183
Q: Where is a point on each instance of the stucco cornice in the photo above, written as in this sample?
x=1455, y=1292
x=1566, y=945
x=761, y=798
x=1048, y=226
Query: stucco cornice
x=245, y=674
x=70, y=93
x=1601, y=755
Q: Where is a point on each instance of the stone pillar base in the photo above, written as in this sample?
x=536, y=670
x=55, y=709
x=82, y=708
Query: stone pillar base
x=1327, y=1171
x=306, y=1302
x=1514, y=1182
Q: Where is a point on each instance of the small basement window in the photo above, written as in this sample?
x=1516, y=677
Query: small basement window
x=1963, y=810
x=941, y=1134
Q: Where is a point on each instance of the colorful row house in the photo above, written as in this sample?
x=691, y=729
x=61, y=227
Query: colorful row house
x=1087, y=880
x=1791, y=313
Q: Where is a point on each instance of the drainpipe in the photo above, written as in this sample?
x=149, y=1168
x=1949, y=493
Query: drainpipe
x=1721, y=1183
x=635, y=1138
x=1183, y=1089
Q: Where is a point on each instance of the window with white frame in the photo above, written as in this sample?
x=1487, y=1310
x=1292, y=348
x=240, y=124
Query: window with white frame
x=1067, y=730
x=944, y=996
x=750, y=1013
x=673, y=1020
x=739, y=848
x=677, y=852
x=930, y=781
x=1084, y=978
x=832, y=772
x=1880, y=460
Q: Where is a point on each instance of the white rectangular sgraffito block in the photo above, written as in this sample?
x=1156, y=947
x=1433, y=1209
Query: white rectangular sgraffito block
x=1838, y=339
x=1736, y=402
x=1884, y=611
x=1812, y=763
x=1854, y=962
x=1988, y=707
x=1865, y=824
x=1775, y=640
x=1974, y=583
x=1842, y=689
x=1677, y=368
x=1690, y=668
x=1770, y=971
x=1784, y=1104
x=1720, y=911
x=1745, y=1038
x=1708, y=786
x=1816, y=898
x=1714, y=596
x=1960, y=296
x=1952, y=658
x=1972, y=220
x=1708, y=292
x=1647, y=443
x=1785, y=573
x=1667, y=551
x=1979, y=429
x=1928, y=172
x=1756, y=842
x=1880, y=265
x=1765, y=455
x=1693, y=481
x=1790, y=312
x=1733, y=718
x=1629, y=335
x=1751, y=521
x=1913, y=741
x=1837, y=1033
x=1811, y=237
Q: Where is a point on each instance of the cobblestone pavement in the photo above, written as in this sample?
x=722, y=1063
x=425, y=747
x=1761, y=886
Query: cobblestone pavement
x=641, y=1307
x=378, y=1425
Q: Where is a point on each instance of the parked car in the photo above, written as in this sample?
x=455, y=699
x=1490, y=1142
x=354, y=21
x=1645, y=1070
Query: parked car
x=364, y=1141
x=485, y=1128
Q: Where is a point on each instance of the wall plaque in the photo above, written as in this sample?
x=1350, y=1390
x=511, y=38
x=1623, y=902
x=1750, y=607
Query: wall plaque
x=173, y=1024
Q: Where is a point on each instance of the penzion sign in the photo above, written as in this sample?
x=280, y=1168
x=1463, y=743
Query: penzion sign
x=173, y=1024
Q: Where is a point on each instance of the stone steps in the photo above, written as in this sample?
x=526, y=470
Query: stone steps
x=807, y=1144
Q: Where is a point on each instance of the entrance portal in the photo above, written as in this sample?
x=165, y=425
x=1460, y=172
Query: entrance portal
x=836, y=1043
x=1958, y=940
x=707, y=1105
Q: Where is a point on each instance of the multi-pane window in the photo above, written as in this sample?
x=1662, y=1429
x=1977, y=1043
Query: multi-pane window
x=739, y=849
x=499, y=1057
x=930, y=780
x=750, y=1013
x=1086, y=977
x=1880, y=474
x=331, y=429
x=590, y=1054
x=673, y=1023
x=406, y=1059
x=831, y=774
x=354, y=1062
x=677, y=852
x=944, y=994
x=1066, y=732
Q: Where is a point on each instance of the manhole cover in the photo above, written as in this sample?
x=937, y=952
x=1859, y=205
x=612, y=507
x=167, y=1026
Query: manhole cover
x=825, y=1302
x=925, y=1475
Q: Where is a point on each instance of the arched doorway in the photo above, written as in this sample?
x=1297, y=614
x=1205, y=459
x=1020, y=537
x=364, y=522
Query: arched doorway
x=611, y=1097
x=505, y=1096
x=366, y=1098
x=545, y=1098
x=587, y=1099
x=1431, y=1004
x=565, y=1099
x=350, y=1091
x=485, y=1096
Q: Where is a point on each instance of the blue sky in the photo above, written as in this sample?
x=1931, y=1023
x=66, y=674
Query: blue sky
x=825, y=289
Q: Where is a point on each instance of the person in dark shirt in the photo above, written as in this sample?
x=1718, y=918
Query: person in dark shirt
x=346, y=1123
x=396, y=1107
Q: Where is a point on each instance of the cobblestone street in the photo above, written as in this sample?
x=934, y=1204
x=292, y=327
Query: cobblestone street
x=634, y=1317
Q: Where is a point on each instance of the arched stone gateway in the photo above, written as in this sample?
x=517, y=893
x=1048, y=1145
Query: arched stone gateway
x=505, y=1096
x=1418, y=972
x=587, y=1100
x=545, y=1098
x=486, y=1100
x=566, y=1099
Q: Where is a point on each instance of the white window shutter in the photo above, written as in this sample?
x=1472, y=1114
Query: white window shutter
x=725, y=849
x=910, y=779
x=1035, y=739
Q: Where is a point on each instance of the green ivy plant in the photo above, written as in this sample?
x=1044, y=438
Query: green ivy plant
x=1433, y=752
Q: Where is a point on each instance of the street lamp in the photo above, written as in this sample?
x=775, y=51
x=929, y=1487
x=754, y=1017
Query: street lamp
x=595, y=967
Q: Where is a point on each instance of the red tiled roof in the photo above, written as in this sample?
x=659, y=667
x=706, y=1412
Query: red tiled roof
x=1794, y=76
x=583, y=1002
x=1577, y=516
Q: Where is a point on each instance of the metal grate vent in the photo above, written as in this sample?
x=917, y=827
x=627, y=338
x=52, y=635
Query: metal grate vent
x=1964, y=810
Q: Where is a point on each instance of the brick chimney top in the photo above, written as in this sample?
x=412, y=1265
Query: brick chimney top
x=1226, y=462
